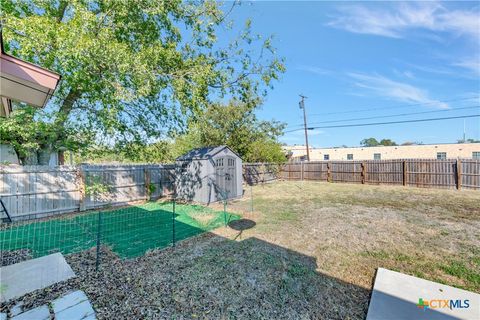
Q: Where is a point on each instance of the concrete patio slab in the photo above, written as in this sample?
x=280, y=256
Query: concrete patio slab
x=16, y=309
x=73, y=306
x=79, y=311
x=40, y=313
x=68, y=300
x=21, y=278
x=397, y=296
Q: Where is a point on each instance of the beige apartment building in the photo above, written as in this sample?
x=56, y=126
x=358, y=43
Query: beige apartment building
x=427, y=151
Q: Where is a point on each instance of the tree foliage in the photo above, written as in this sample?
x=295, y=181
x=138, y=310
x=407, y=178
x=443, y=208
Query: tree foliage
x=372, y=142
x=28, y=136
x=369, y=142
x=236, y=125
x=134, y=71
x=470, y=140
x=387, y=142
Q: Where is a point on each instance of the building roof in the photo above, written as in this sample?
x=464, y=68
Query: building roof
x=204, y=153
x=24, y=81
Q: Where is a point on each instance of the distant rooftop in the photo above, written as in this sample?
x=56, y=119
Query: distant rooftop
x=302, y=147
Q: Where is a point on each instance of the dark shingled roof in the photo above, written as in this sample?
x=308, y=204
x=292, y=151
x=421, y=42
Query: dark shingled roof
x=203, y=153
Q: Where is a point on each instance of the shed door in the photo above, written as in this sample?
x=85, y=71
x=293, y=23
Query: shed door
x=225, y=177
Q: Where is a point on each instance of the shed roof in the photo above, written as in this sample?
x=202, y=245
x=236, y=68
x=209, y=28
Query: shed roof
x=204, y=153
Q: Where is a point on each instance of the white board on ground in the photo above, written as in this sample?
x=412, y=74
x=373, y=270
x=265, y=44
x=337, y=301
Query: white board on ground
x=73, y=306
x=21, y=278
x=397, y=296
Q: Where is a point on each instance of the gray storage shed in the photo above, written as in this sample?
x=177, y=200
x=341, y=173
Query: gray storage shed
x=209, y=174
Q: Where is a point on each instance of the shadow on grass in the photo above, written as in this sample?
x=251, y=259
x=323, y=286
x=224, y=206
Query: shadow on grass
x=255, y=279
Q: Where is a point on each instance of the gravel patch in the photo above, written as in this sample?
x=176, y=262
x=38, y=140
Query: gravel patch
x=9, y=257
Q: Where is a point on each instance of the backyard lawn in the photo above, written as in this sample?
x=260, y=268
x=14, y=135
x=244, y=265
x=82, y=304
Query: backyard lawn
x=352, y=229
x=312, y=254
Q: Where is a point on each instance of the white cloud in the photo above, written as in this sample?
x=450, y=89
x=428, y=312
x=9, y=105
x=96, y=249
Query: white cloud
x=404, y=92
x=472, y=64
x=313, y=69
x=397, y=19
x=406, y=73
x=409, y=74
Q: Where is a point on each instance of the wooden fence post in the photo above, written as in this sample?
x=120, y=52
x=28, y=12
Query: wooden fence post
x=263, y=172
x=404, y=172
x=364, y=172
x=81, y=187
x=147, y=179
x=459, y=174
x=329, y=172
x=301, y=174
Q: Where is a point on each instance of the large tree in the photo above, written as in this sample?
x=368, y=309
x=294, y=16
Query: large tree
x=133, y=70
x=372, y=142
x=236, y=125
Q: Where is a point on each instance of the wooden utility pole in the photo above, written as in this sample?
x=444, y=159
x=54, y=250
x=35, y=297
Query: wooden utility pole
x=302, y=106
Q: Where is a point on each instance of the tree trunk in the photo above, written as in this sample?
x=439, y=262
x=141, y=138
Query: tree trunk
x=44, y=156
x=29, y=160
x=61, y=10
x=61, y=158
x=67, y=105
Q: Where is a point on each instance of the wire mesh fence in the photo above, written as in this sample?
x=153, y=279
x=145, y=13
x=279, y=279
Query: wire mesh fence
x=129, y=231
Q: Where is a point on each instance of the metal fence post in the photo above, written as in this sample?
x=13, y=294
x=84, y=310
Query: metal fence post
x=99, y=232
x=251, y=196
x=173, y=222
x=225, y=208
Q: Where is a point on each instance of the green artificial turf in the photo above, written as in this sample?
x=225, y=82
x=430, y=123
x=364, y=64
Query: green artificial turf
x=130, y=231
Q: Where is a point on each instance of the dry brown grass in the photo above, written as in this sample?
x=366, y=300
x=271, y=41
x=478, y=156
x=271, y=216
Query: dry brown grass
x=351, y=230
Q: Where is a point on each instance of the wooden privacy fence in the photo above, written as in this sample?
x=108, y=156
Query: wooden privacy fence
x=36, y=191
x=450, y=173
x=259, y=172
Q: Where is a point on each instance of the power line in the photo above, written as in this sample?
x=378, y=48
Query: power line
x=395, y=107
x=392, y=115
x=390, y=122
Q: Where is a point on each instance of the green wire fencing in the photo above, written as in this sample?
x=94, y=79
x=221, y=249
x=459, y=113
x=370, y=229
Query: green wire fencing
x=128, y=231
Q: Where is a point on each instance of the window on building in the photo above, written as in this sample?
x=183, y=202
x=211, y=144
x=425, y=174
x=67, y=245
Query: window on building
x=377, y=156
x=350, y=156
x=476, y=155
x=326, y=157
x=441, y=155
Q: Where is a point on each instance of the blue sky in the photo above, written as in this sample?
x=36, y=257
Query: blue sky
x=349, y=56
